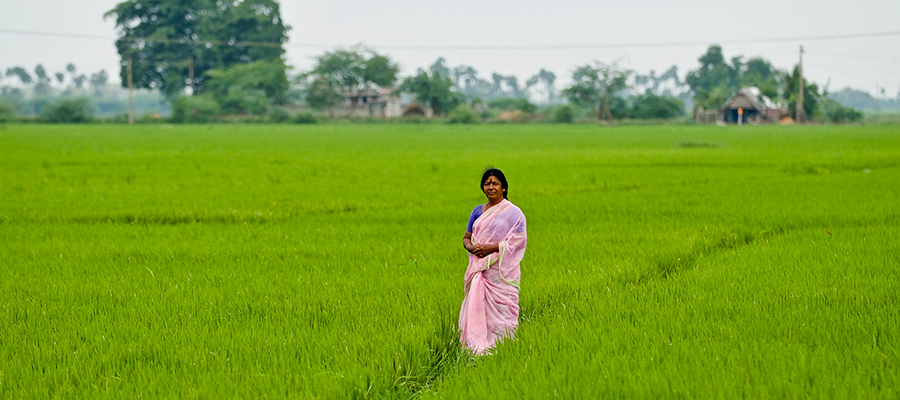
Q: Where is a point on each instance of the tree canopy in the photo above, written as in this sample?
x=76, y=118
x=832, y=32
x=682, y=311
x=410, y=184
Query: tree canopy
x=760, y=73
x=595, y=85
x=356, y=69
x=163, y=38
x=810, y=93
x=716, y=80
x=249, y=88
x=20, y=73
x=714, y=72
x=432, y=89
x=351, y=71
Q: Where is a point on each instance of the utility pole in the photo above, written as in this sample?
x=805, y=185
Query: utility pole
x=800, y=112
x=877, y=105
x=130, y=93
x=191, y=73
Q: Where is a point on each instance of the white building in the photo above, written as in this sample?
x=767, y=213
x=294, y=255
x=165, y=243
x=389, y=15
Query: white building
x=371, y=103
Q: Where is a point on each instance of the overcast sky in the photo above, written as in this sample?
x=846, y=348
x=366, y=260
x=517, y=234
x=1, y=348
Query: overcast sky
x=862, y=63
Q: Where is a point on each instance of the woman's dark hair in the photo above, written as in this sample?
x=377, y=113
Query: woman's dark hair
x=499, y=175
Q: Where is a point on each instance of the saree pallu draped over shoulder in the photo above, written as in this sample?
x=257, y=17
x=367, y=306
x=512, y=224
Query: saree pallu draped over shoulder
x=490, y=310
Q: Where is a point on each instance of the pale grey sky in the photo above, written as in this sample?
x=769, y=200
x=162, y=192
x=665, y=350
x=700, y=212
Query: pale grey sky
x=862, y=63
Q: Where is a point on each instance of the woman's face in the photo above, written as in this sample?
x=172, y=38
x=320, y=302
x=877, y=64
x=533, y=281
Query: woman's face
x=492, y=189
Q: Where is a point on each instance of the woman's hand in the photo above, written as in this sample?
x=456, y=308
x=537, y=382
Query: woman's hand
x=482, y=250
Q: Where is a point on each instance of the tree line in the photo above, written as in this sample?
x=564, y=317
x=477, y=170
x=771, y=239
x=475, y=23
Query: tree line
x=211, y=58
x=68, y=95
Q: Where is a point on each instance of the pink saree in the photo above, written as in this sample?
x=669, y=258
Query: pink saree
x=490, y=310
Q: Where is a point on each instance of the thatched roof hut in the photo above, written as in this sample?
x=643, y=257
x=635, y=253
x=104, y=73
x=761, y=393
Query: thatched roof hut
x=754, y=106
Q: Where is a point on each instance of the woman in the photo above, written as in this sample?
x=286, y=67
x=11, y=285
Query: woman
x=495, y=239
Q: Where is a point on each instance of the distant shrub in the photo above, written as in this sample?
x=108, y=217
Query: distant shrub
x=248, y=88
x=7, y=111
x=651, y=106
x=279, y=114
x=305, y=117
x=619, y=108
x=526, y=106
x=829, y=110
x=504, y=103
x=74, y=111
x=463, y=114
x=565, y=114
x=194, y=109
x=512, y=104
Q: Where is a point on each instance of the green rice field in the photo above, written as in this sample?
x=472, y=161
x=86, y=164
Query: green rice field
x=326, y=261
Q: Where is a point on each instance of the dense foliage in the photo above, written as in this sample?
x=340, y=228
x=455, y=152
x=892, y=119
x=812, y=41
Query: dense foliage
x=304, y=117
x=75, y=111
x=342, y=81
x=810, y=93
x=512, y=104
x=7, y=111
x=347, y=72
x=829, y=110
x=195, y=109
x=432, y=89
x=564, y=114
x=249, y=88
x=463, y=114
x=651, y=106
x=164, y=38
x=595, y=86
x=715, y=80
x=28, y=96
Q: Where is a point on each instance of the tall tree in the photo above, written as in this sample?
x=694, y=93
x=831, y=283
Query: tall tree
x=714, y=72
x=164, y=38
x=440, y=68
x=466, y=81
x=98, y=81
x=810, y=93
x=505, y=86
x=78, y=80
x=594, y=86
x=380, y=71
x=432, y=89
x=248, y=88
x=20, y=73
x=323, y=92
x=714, y=98
x=760, y=73
x=355, y=70
x=42, y=82
x=666, y=84
x=542, y=82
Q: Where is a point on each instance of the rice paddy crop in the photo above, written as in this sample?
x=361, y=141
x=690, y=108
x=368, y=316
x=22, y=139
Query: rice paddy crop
x=326, y=261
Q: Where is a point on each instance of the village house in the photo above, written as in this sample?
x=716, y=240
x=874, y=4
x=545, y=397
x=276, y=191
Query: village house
x=380, y=103
x=747, y=105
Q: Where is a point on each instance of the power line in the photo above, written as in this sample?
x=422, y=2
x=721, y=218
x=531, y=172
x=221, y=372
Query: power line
x=145, y=40
x=471, y=47
x=854, y=70
x=641, y=45
x=848, y=56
